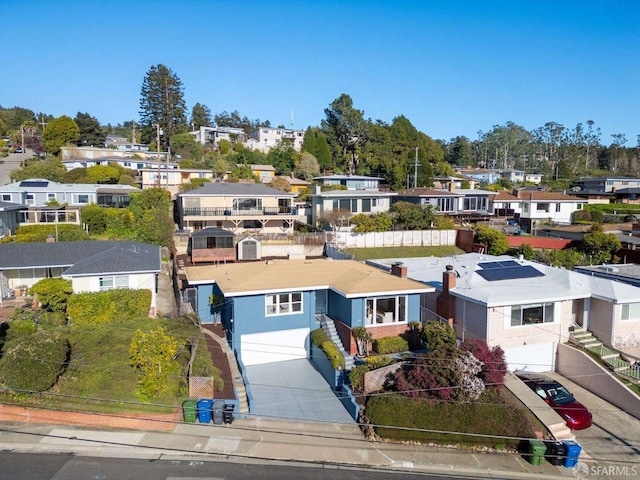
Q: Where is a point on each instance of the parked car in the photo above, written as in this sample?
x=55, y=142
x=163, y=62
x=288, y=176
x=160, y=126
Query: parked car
x=560, y=399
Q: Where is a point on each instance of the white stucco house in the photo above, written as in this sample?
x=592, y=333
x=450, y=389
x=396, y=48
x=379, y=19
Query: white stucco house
x=91, y=266
x=524, y=307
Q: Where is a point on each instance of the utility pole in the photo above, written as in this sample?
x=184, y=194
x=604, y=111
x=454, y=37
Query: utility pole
x=133, y=131
x=415, y=170
x=43, y=123
x=157, y=125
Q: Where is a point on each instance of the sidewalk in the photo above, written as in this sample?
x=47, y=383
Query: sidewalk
x=257, y=439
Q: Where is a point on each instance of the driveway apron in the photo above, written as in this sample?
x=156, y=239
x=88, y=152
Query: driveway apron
x=294, y=390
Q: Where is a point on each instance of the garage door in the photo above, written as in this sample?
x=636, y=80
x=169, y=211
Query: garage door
x=259, y=348
x=533, y=358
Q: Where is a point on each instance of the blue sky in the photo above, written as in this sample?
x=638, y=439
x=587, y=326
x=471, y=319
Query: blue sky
x=451, y=67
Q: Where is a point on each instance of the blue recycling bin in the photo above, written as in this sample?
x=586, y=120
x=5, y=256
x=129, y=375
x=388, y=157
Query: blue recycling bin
x=204, y=410
x=572, y=452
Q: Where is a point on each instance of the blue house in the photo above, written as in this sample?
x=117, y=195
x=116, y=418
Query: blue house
x=269, y=308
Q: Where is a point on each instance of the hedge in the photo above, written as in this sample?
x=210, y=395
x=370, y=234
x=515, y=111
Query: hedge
x=390, y=345
x=103, y=307
x=319, y=339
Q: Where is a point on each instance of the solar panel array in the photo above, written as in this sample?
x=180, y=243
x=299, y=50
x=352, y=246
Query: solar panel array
x=491, y=265
x=507, y=270
x=34, y=183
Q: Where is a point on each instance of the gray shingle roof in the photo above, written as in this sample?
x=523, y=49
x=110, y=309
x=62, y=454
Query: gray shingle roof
x=82, y=257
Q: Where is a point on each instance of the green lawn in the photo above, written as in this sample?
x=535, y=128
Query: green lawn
x=400, y=252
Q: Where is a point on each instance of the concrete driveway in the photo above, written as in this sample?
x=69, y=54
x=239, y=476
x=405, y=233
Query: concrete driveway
x=614, y=438
x=294, y=390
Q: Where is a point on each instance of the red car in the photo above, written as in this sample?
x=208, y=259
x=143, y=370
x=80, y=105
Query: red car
x=560, y=399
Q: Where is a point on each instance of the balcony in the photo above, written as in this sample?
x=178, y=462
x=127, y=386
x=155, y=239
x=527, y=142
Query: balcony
x=228, y=212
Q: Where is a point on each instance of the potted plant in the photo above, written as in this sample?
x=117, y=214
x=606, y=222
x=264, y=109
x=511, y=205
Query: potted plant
x=363, y=339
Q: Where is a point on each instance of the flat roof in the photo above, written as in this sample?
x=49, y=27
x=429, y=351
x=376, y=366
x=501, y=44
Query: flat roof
x=556, y=284
x=349, y=277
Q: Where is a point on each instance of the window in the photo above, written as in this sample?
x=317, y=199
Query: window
x=542, y=207
x=445, y=204
x=283, y=304
x=116, y=281
x=82, y=198
x=366, y=205
x=558, y=206
x=6, y=197
x=30, y=199
x=51, y=196
x=347, y=204
x=212, y=242
x=531, y=314
x=474, y=203
x=386, y=310
x=631, y=311
x=247, y=204
x=251, y=224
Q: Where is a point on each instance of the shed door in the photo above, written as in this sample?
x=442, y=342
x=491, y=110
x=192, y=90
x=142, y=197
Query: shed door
x=249, y=250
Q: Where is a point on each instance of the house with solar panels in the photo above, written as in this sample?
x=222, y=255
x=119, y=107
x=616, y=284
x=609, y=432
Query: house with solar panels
x=524, y=307
x=45, y=201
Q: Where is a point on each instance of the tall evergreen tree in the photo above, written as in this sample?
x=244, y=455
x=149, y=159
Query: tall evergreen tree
x=162, y=103
x=200, y=116
x=315, y=143
x=91, y=132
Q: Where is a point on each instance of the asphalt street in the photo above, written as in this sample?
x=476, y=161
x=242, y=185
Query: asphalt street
x=7, y=164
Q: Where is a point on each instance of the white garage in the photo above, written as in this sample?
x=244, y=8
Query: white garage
x=268, y=347
x=532, y=358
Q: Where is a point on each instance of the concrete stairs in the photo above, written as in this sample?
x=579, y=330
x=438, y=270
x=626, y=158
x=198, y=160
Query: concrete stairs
x=329, y=327
x=584, y=338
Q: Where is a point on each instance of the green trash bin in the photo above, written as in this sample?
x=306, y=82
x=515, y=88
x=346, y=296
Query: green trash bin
x=537, y=449
x=189, y=407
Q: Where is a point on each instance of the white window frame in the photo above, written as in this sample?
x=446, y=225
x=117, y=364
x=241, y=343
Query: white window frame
x=280, y=304
x=548, y=315
x=112, y=282
x=630, y=312
x=375, y=318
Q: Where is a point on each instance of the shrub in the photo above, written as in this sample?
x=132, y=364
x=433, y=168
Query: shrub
x=496, y=416
x=333, y=354
x=104, y=307
x=494, y=366
x=356, y=376
x=318, y=337
x=34, y=362
x=379, y=361
x=151, y=355
x=52, y=293
x=390, y=345
x=436, y=334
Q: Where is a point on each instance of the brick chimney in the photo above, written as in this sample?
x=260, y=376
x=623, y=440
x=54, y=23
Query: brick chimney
x=445, y=303
x=399, y=270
